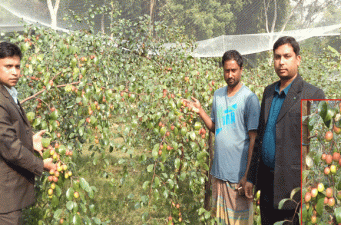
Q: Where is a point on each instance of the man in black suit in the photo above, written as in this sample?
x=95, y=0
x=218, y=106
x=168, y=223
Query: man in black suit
x=277, y=157
x=18, y=164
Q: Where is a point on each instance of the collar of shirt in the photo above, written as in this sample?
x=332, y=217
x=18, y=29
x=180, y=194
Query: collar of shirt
x=13, y=92
x=285, y=91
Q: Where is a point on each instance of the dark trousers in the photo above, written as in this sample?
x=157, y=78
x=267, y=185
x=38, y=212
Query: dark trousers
x=12, y=218
x=270, y=214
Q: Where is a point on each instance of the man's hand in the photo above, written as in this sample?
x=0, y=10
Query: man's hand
x=195, y=104
x=248, y=187
x=240, y=186
x=37, y=146
x=49, y=165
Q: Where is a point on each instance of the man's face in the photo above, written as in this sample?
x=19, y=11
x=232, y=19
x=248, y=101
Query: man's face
x=9, y=71
x=286, y=62
x=232, y=73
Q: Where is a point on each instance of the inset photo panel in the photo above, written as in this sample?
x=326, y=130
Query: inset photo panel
x=321, y=162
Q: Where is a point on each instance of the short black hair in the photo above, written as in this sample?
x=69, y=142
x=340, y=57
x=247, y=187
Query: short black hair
x=232, y=55
x=287, y=40
x=9, y=50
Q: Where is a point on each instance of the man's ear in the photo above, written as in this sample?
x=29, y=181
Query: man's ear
x=298, y=60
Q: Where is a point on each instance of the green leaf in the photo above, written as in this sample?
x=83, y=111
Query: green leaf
x=337, y=213
x=304, y=212
x=58, y=191
x=279, y=222
x=69, y=205
x=192, y=136
x=150, y=168
x=30, y=116
x=335, y=53
x=177, y=163
x=282, y=202
x=157, y=181
x=84, y=184
x=319, y=206
x=54, y=115
x=57, y=214
x=93, y=120
x=145, y=185
x=54, y=201
x=294, y=192
x=97, y=221
x=92, y=208
x=76, y=219
x=69, y=193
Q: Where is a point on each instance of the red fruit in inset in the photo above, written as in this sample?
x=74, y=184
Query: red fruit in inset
x=323, y=157
x=160, y=124
x=336, y=129
x=327, y=170
x=307, y=197
x=50, y=178
x=336, y=156
x=329, y=159
x=331, y=202
x=172, y=127
x=313, y=219
x=55, y=179
x=329, y=192
x=328, y=136
x=314, y=192
x=325, y=200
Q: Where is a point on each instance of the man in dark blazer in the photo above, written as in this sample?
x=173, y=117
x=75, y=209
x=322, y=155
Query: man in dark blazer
x=18, y=164
x=276, y=161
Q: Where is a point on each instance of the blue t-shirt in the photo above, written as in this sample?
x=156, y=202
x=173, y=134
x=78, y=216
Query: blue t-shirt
x=234, y=117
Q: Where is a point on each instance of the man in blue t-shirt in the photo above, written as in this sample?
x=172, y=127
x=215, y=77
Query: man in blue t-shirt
x=234, y=120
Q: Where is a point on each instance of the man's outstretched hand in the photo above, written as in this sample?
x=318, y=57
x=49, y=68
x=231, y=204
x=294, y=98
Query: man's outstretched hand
x=195, y=105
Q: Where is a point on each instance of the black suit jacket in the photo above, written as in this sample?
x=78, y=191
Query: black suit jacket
x=287, y=172
x=18, y=164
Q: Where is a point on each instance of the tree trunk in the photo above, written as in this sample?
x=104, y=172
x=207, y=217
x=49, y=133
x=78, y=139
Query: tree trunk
x=151, y=14
x=53, y=12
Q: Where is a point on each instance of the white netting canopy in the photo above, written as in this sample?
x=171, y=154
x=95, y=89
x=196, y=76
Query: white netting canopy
x=300, y=19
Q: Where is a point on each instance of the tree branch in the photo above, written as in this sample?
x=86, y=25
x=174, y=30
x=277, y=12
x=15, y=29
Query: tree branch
x=266, y=17
x=275, y=18
x=42, y=91
x=301, y=2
